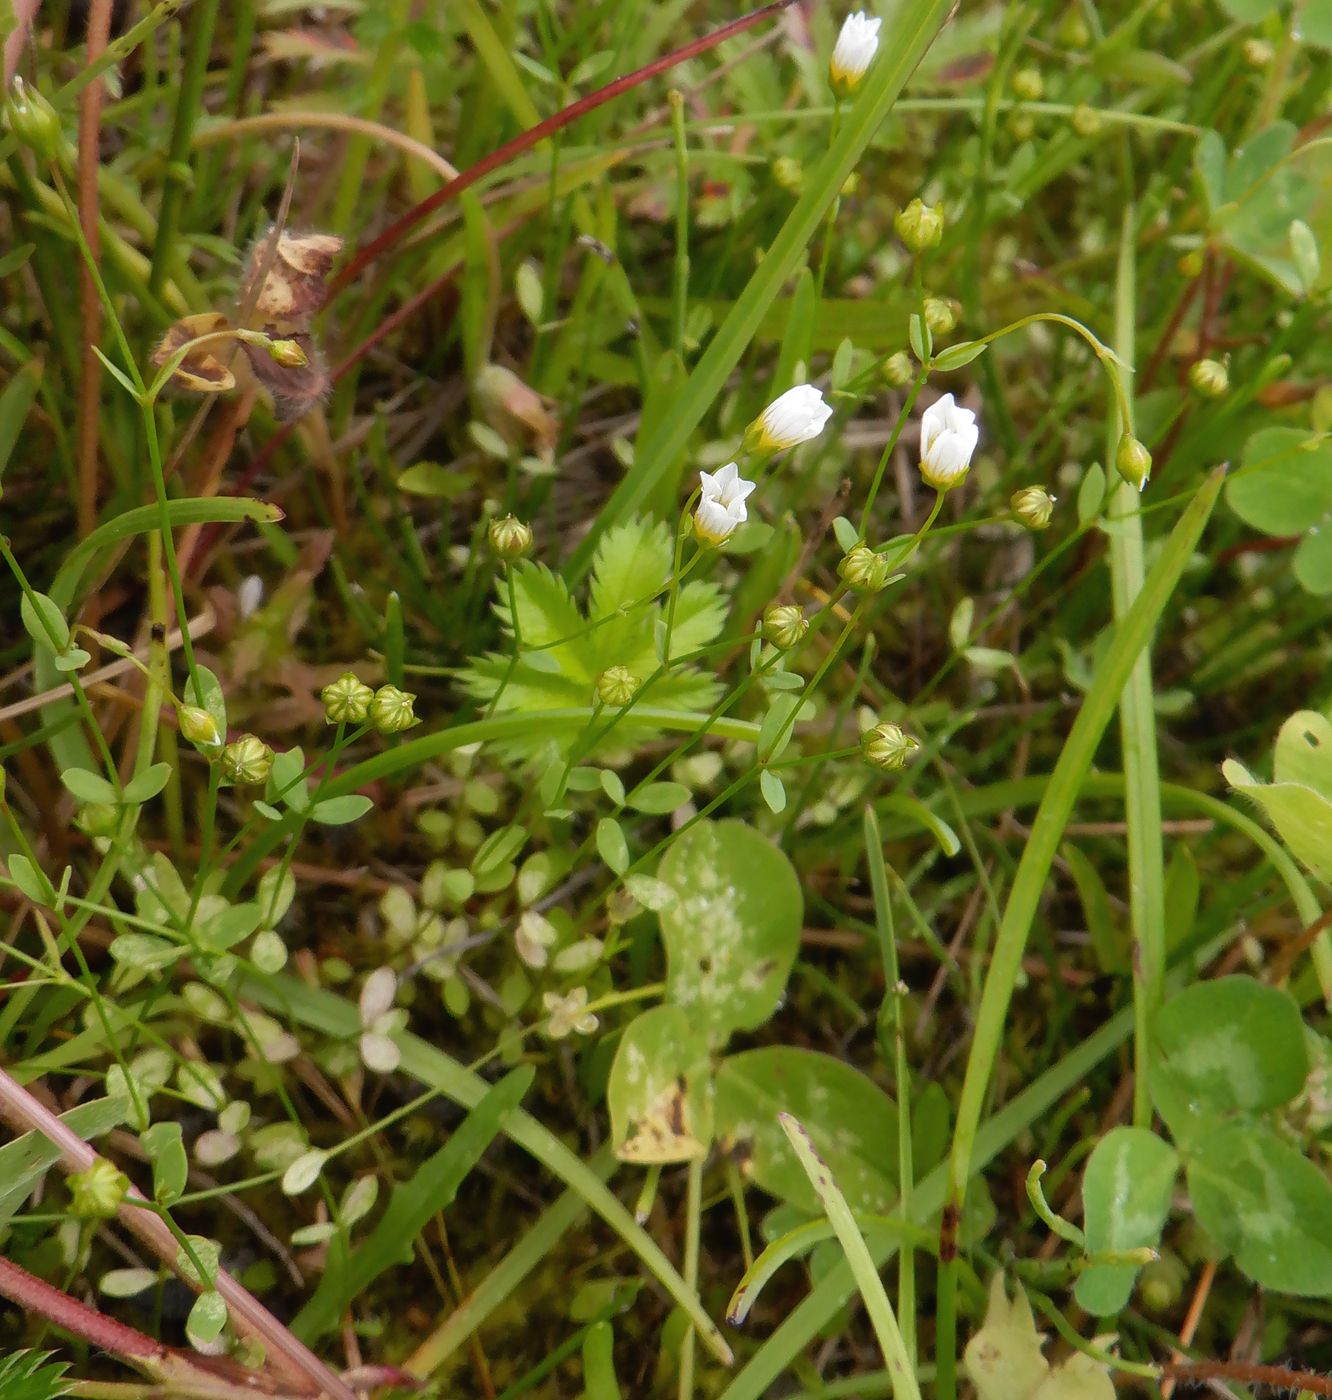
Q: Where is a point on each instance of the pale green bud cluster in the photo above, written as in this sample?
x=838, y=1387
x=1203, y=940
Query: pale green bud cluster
x=510, y=538
x=199, y=727
x=97, y=1193
x=617, y=686
x=247, y=760
x=33, y=122
x=346, y=700
x=1209, y=378
x=1032, y=506
x=391, y=710
x=785, y=625
x=920, y=226
x=899, y=370
x=863, y=570
x=940, y=315
x=1133, y=462
x=888, y=746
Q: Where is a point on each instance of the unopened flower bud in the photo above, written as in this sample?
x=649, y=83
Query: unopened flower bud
x=1087, y=121
x=391, y=710
x=509, y=537
x=1190, y=264
x=617, y=686
x=920, y=225
x=1258, y=53
x=97, y=819
x=288, y=353
x=789, y=174
x=247, y=760
x=899, y=370
x=1074, y=30
x=1209, y=378
x=850, y=185
x=785, y=624
x=1161, y=1283
x=1133, y=462
x=1028, y=85
x=97, y=1193
x=346, y=700
x=1033, y=506
x=32, y=121
x=199, y=727
x=940, y=316
x=887, y=746
x=863, y=570
x=1021, y=125
x=857, y=43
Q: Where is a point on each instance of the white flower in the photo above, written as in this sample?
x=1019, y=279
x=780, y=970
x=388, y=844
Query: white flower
x=948, y=436
x=568, y=1013
x=533, y=938
x=790, y=419
x=854, y=52
x=721, y=506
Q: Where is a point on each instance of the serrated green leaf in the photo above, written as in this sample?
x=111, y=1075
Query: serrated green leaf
x=632, y=562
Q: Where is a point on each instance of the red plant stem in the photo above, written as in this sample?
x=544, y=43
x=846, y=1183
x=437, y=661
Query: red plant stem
x=90, y=384
x=37, y=1296
x=533, y=135
x=1277, y=1377
x=287, y=1356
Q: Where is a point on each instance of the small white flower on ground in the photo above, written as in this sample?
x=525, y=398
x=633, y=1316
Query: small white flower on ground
x=568, y=1014
x=533, y=938
x=790, y=419
x=853, y=53
x=948, y=437
x=721, y=506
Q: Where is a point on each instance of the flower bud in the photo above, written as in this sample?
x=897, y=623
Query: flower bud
x=509, y=537
x=920, y=225
x=1209, y=378
x=33, y=122
x=1087, y=121
x=1021, y=125
x=940, y=316
x=899, y=370
x=1074, y=30
x=790, y=419
x=1161, y=1283
x=1033, y=506
x=247, y=760
x=97, y=819
x=785, y=624
x=1190, y=264
x=346, y=700
x=789, y=174
x=853, y=53
x=1133, y=462
x=887, y=746
x=199, y=727
x=617, y=686
x=1258, y=53
x=391, y=710
x=1028, y=85
x=290, y=354
x=96, y=1194
x=850, y=185
x=863, y=570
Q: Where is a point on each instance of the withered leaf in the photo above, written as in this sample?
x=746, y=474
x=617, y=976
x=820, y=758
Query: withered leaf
x=296, y=283
x=203, y=370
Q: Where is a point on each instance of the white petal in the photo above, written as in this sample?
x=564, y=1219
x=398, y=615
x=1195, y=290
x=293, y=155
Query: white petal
x=377, y=994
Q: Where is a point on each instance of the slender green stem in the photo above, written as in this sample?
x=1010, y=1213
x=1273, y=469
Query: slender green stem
x=1137, y=719
x=680, y=287
x=886, y=455
x=202, y=21
x=693, y=1227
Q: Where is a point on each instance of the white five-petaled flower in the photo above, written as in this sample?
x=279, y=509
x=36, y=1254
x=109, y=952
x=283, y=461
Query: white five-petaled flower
x=853, y=53
x=721, y=506
x=568, y=1013
x=948, y=436
x=790, y=419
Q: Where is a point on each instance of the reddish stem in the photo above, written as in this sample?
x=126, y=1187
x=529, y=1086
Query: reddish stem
x=35, y=1295
x=1249, y=1373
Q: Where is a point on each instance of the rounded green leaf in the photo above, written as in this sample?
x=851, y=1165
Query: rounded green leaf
x=660, y=1091
x=852, y=1121
x=1267, y=1203
x=1284, y=484
x=1301, y=816
x=1232, y=1045
x=733, y=931
x=1126, y=1193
